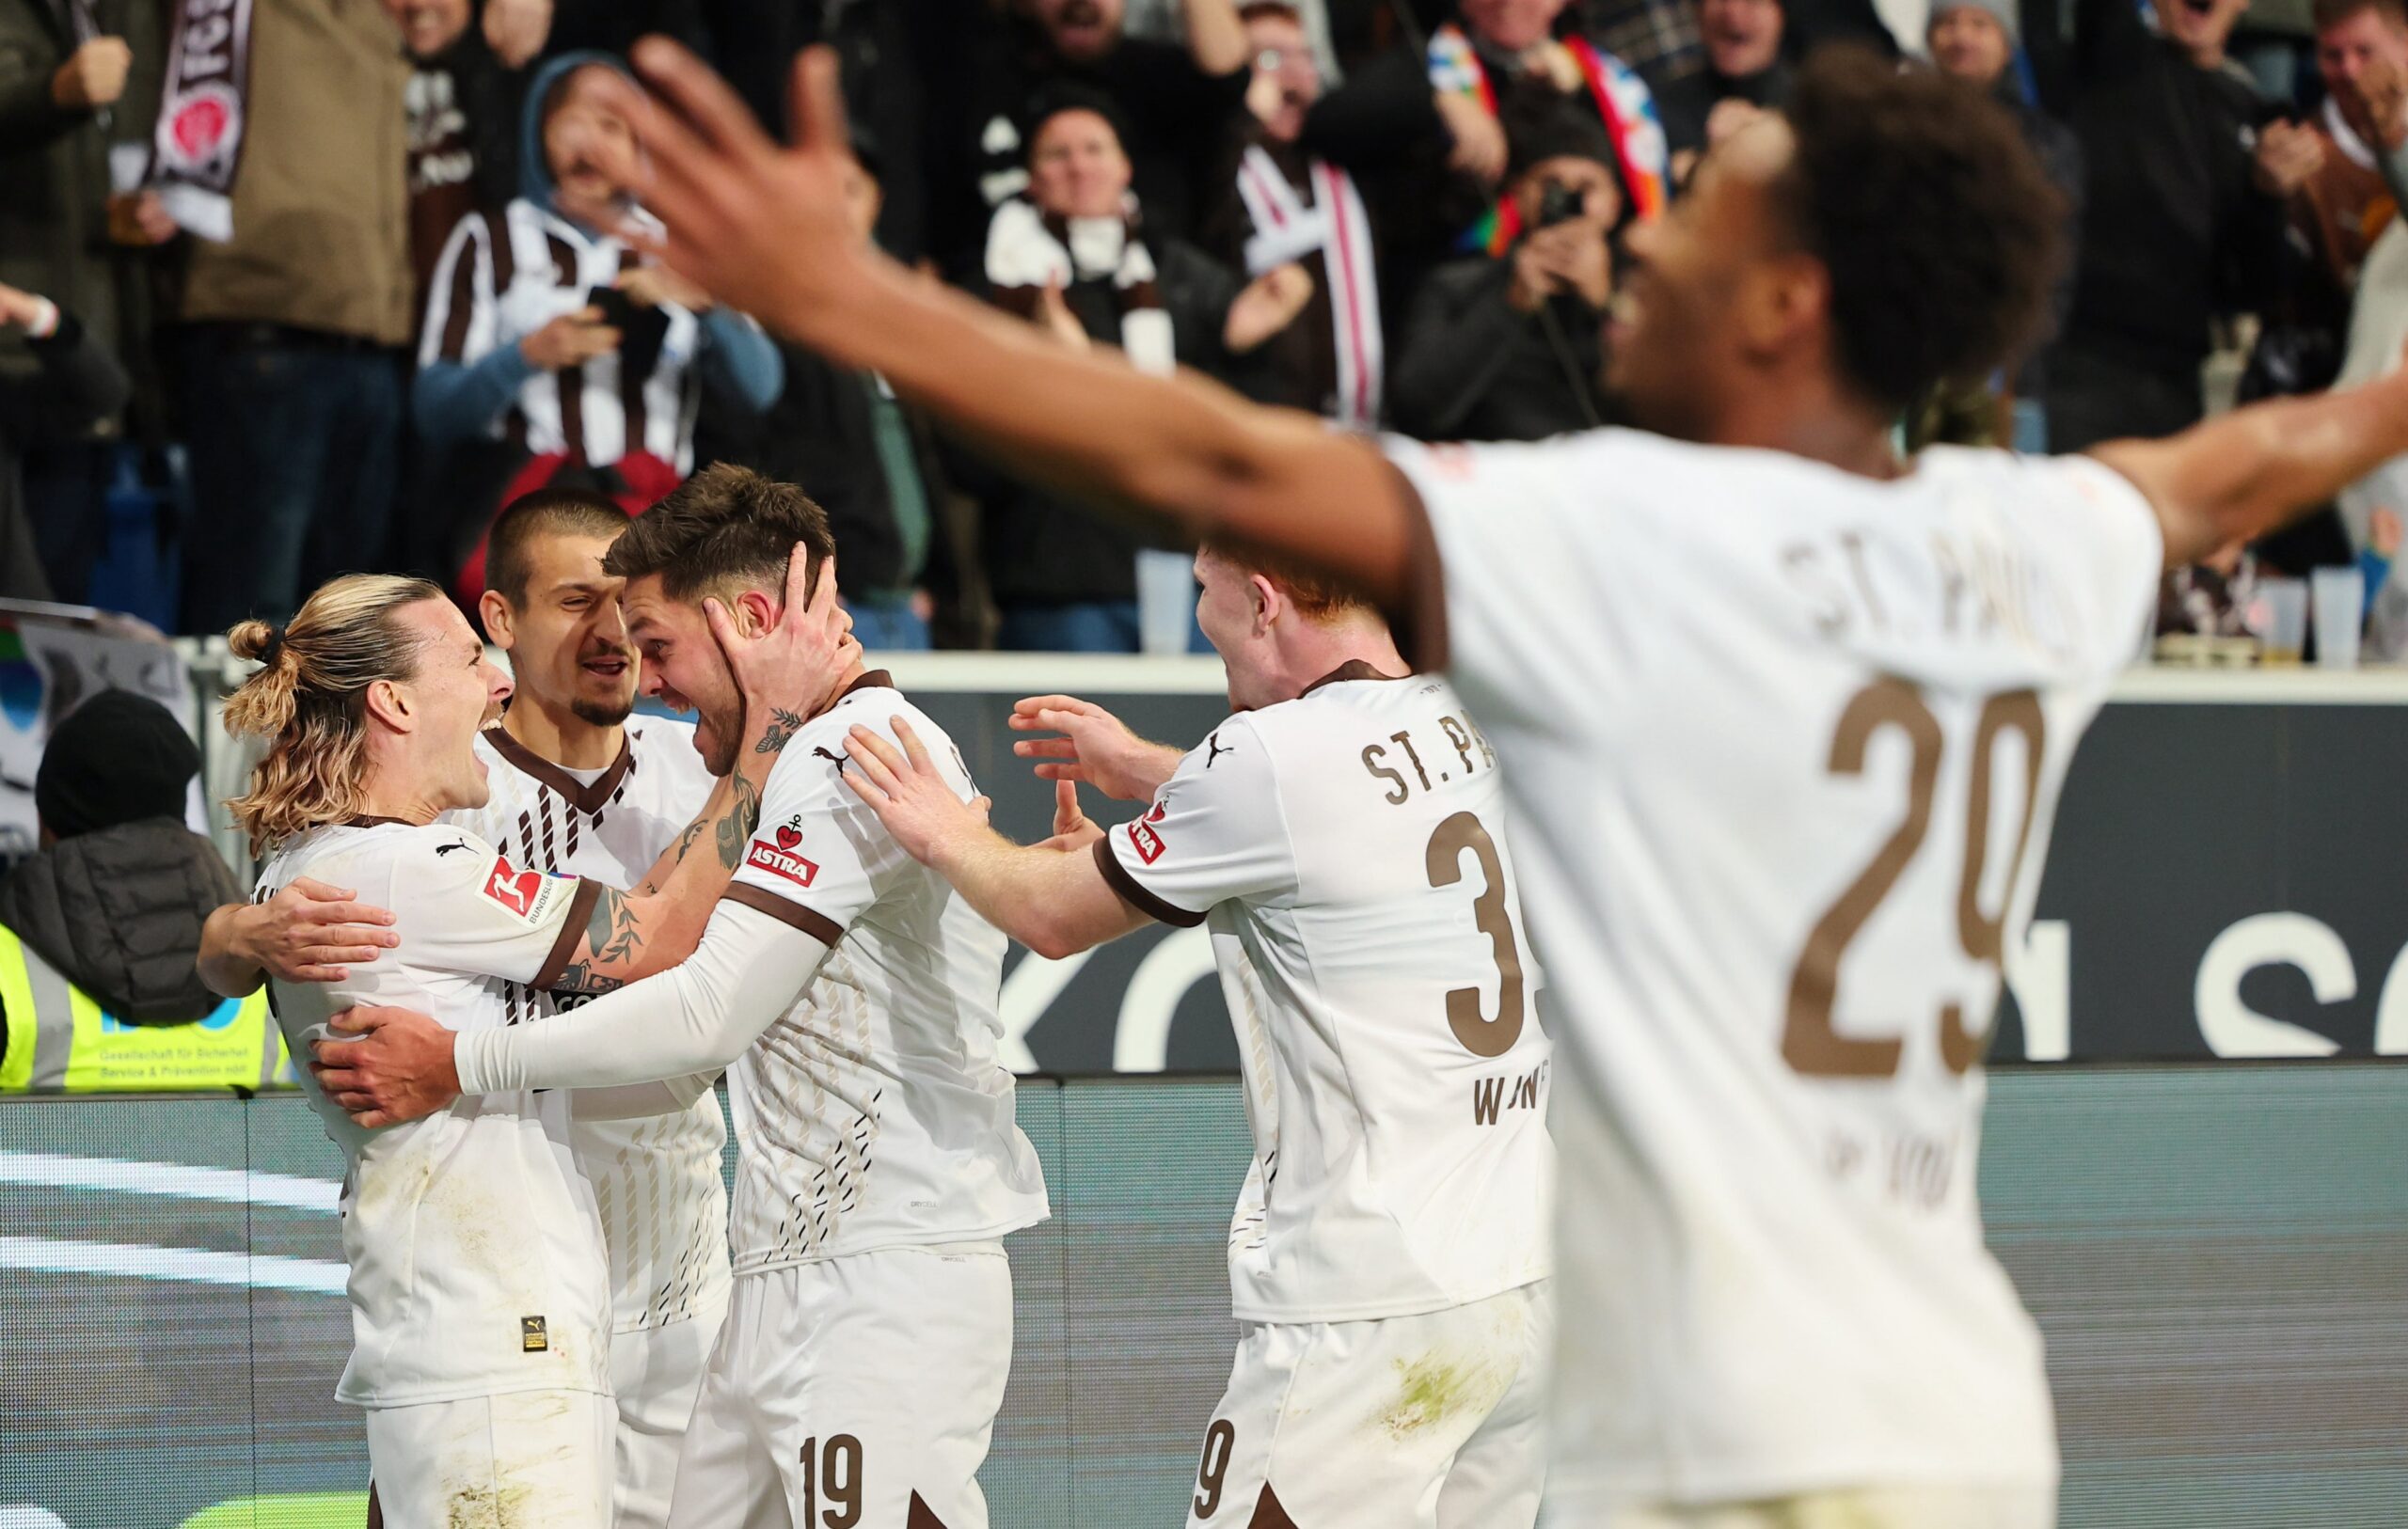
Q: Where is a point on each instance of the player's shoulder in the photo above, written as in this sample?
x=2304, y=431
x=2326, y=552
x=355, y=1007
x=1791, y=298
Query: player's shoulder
x=1343, y=702
x=662, y=748
x=367, y=843
x=874, y=702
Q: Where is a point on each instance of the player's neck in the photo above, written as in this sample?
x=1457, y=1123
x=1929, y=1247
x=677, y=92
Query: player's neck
x=560, y=735
x=851, y=675
x=1813, y=419
x=1316, y=652
x=383, y=792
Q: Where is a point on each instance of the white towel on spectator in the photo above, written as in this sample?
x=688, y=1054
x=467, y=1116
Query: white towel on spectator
x=1025, y=254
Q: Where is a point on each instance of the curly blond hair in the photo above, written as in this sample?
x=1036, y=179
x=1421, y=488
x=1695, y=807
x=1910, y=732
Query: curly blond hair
x=309, y=701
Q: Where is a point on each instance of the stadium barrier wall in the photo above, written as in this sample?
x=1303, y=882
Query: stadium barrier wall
x=2218, y=1255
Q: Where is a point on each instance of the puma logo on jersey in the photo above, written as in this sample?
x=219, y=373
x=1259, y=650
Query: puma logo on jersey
x=831, y=756
x=441, y=850
x=1214, y=750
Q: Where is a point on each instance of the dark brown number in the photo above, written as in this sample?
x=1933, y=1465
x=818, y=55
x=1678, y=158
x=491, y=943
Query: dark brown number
x=836, y=1471
x=1808, y=1042
x=1220, y=1443
x=1481, y=1037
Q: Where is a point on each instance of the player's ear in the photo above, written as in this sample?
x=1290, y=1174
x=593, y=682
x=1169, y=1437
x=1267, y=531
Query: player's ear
x=1268, y=602
x=387, y=701
x=494, y=611
x=754, y=612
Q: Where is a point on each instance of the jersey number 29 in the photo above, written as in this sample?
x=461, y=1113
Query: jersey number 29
x=1808, y=1042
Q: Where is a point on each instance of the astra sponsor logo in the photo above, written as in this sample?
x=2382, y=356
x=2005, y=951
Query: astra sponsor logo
x=776, y=855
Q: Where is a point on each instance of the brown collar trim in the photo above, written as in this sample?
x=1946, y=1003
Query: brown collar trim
x=875, y=677
x=1353, y=669
x=370, y=820
x=587, y=800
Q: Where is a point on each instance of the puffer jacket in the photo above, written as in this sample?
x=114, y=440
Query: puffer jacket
x=118, y=911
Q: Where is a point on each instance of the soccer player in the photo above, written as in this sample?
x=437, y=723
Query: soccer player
x=1343, y=838
x=851, y=995
x=479, y=1294
x=578, y=790
x=1782, y=719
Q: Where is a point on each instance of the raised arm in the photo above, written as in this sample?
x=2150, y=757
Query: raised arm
x=2242, y=474
x=764, y=229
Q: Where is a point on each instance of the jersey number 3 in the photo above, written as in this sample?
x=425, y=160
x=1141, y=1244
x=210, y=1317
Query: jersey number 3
x=1808, y=1042
x=1495, y=917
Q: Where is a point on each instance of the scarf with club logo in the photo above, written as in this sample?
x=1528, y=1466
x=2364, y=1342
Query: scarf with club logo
x=198, y=145
x=1028, y=250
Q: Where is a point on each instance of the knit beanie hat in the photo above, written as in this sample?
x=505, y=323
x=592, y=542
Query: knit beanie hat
x=2001, y=11
x=116, y=758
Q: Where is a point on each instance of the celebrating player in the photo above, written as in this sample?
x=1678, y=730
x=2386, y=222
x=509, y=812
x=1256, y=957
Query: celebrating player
x=480, y=1298
x=852, y=996
x=578, y=790
x=1341, y=837
x=1785, y=718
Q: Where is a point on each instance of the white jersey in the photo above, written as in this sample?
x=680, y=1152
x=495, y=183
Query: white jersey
x=875, y=1113
x=655, y=1178
x=475, y=1249
x=1787, y=743
x=1348, y=851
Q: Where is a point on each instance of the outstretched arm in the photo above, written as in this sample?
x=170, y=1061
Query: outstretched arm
x=764, y=229
x=1095, y=747
x=2242, y=474
x=1051, y=897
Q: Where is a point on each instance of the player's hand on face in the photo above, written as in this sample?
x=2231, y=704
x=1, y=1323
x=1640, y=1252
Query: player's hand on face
x=1095, y=746
x=399, y=1069
x=761, y=227
x=311, y=932
x=910, y=795
x=798, y=664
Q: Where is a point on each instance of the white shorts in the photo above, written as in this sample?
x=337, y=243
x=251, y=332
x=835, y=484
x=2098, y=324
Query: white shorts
x=859, y=1390
x=655, y=1374
x=1872, y=1507
x=1434, y=1421
x=530, y=1460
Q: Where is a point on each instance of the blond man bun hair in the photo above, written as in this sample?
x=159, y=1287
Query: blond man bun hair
x=308, y=700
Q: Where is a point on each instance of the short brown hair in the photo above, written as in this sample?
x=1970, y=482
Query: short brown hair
x=724, y=530
x=1316, y=596
x=545, y=511
x=2326, y=14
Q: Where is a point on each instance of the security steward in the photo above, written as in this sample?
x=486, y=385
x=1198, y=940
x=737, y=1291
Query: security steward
x=100, y=929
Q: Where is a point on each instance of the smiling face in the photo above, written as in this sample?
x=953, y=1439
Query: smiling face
x=683, y=670
x=453, y=693
x=1228, y=608
x=1968, y=43
x=567, y=642
x=1076, y=167
x=583, y=133
x=428, y=26
x=2348, y=48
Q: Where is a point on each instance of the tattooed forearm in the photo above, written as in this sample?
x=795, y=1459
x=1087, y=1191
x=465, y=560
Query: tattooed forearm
x=676, y=856
x=736, y=828
x=783, y=725
x=579, y=979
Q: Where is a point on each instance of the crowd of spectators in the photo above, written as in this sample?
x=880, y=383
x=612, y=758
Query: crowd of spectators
x=304, y=285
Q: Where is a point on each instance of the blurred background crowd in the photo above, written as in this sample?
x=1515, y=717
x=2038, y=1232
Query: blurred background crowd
x=290, y=287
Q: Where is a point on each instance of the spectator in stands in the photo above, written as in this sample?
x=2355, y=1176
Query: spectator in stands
x=1505, y=56
x=116, y=897
x=2362, y=53
x=290, y=347
x=462, y=120
x=1744, y=74
x=2183, y=216
x=1075, y=258
x=869, y=461
x=1509, y=347
x=1293, y=206
x=1657, y=37
x=1178, y=106
x=1976, y=41
x=78, y=381
x=557, y=341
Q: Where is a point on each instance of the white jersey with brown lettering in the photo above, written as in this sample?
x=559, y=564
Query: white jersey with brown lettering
x=655, y=1178
x=1786, y=745
x=1348, y=851
x=474, y=1245
x=877, y=1112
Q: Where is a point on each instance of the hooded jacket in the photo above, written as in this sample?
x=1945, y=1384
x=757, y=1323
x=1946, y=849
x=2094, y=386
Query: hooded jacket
x=457, y=399
x=118, y=912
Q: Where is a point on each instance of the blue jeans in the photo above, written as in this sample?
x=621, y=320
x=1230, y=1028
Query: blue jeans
x=1093, y=627
x=888, y=626
x=295, y=448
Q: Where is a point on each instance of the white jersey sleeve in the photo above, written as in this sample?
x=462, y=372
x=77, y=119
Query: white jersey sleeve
x=820, y=856
x=1215, y=832
x=473, y=910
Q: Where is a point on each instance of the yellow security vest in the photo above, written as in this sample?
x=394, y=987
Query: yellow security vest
x=60, y=1040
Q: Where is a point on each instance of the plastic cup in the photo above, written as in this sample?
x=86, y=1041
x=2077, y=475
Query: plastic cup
x=2278, y=614
x=2340, y=595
